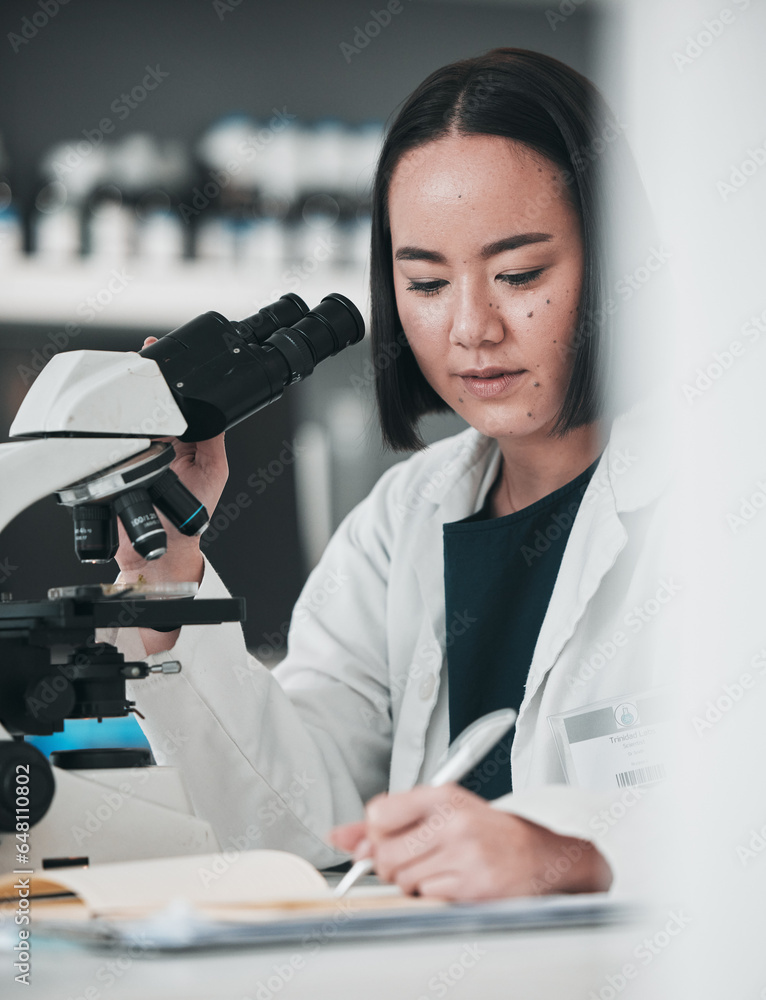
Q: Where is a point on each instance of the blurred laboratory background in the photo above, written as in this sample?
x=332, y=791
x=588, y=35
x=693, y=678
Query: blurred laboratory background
x=159, y=160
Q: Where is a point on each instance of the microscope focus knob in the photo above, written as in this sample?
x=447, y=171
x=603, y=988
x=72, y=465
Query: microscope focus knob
x=26, y=786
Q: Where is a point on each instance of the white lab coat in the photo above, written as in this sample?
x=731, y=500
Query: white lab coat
x=359, y=706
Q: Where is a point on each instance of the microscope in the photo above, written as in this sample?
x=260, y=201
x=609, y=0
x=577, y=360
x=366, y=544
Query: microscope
x=81, y=433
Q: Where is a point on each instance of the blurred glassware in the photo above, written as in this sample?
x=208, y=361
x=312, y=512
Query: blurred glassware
x=270, y=190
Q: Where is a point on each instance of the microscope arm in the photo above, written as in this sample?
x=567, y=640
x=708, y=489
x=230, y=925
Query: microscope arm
x=87, y=411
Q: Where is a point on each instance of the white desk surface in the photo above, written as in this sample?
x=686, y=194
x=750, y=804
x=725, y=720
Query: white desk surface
x=565, y=964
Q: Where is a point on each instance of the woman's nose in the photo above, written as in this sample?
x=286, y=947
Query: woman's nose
x=477, y=319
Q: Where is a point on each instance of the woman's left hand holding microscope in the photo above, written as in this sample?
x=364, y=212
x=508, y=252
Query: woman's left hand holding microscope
x=203, y=469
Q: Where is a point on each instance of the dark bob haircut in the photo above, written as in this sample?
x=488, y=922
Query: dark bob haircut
x=535, y=100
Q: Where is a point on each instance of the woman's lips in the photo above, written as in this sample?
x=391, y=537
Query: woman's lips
x=494, y=385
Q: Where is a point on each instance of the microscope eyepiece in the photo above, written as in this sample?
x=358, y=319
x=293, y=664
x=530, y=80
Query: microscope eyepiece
x=284, y=312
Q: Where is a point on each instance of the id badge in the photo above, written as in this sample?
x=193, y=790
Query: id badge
x=616, y=743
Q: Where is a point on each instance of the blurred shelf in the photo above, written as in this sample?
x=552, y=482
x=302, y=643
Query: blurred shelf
x=146, y=295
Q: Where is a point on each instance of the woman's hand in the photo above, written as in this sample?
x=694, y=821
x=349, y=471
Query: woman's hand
x=449, y=843
x=203, y=469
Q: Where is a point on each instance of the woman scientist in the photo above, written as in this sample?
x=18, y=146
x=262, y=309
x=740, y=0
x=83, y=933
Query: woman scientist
x=483, y=572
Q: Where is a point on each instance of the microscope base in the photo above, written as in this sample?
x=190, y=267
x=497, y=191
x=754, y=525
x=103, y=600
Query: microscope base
x=121, y=814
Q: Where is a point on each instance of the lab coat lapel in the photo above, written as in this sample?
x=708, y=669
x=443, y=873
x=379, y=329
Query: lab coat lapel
x=458, y=496
x=596, y=540
x=462, y=494
x=634, y=469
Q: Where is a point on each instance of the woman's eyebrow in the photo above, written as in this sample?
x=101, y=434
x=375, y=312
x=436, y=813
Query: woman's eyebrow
x=490, y=250
x=513, y=243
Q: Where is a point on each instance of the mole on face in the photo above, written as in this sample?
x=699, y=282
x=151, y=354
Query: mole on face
x=529, y=414
x=547, y=302
x=460, y=399
x=535, y=384
x=530, y=315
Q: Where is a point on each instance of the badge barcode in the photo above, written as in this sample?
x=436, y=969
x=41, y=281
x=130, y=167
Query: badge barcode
x=641, y=775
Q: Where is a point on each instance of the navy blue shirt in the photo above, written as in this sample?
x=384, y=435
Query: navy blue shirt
x=499, y=574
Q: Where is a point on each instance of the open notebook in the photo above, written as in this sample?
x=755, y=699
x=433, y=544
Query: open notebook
x=209, y=883
x=257, y=898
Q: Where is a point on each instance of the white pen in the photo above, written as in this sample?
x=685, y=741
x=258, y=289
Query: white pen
x=466, y=751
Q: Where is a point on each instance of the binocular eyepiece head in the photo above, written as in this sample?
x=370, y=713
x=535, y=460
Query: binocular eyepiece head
x=220, y=371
